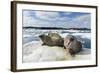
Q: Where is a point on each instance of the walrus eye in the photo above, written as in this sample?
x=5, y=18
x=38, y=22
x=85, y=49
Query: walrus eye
x=71, y=39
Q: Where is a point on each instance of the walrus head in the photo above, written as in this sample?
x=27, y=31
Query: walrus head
x=52, y=39
x=71, y=43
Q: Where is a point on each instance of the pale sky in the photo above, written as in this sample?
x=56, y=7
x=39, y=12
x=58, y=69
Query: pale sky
x=56, y=19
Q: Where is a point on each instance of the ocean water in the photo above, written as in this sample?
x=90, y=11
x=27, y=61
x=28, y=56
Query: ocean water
x=84, y=36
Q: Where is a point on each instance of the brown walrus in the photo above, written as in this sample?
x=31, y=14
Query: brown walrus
x=71, y=43
x=52, y=39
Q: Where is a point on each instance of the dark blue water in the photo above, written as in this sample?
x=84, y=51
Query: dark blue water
x=87, y=43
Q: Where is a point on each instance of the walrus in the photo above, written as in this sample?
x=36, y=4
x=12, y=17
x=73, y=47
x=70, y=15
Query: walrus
x=52, y=39
x=72, y=44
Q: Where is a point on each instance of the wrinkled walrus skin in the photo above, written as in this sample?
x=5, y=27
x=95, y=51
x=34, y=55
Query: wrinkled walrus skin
x=71, y=43
x=51, y=40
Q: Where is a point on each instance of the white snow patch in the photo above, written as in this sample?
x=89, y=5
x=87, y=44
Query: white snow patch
x=35, y=52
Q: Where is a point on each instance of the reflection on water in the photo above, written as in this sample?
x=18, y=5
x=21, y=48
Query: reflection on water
x=32, y=35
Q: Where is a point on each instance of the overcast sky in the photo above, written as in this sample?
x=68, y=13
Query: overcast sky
x=56, y=19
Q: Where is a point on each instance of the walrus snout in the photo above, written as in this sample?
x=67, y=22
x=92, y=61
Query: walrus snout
x=40, y=36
